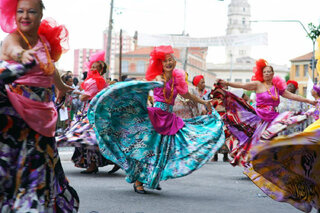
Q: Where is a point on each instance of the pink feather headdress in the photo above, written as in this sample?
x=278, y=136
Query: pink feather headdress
x=98, y=56
x=8, y=15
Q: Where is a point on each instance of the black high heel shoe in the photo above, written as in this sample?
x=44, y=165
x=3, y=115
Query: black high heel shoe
x=215, y=158
x=137, y=190
x=114, y=169
x=90, y=172
x=225, y=158
x=159, y=188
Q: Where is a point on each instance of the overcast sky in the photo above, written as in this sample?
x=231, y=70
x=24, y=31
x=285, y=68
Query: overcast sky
x=86, y=21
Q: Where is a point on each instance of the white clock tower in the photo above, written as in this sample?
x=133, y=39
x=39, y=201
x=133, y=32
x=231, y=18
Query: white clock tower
x=238, y=23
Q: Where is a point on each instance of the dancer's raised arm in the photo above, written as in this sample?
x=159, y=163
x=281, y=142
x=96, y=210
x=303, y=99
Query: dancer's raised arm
x=247, y=86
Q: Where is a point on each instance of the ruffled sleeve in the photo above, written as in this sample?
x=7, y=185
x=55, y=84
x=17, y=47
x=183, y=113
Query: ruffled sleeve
x=56, y=35
x=180, y=78
x=279, y=83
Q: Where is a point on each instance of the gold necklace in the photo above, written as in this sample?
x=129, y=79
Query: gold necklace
x=276, y=97
x=164, y=90
x=47, y=68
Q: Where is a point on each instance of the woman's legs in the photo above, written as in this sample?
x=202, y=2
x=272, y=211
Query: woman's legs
x=92, y=167
x=86, y=158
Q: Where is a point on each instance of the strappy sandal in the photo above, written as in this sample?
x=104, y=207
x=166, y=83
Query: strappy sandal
x=135, y=187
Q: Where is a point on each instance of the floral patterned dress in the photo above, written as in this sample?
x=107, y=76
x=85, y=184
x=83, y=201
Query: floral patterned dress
x=80, y=134
x=152, y=144
x=31, y=175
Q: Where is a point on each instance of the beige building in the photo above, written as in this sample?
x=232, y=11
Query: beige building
x=300, y=71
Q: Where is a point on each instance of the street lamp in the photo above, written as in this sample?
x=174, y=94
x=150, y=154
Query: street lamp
x=308, y=34
x=108, y=50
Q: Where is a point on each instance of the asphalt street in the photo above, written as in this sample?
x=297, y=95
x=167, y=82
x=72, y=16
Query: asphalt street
x=216, y=188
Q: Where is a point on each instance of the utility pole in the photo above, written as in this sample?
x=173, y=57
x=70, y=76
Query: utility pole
x=120, y=56
x=185, y=62
x=186, y=50
x=313, y=60
x=108, y=52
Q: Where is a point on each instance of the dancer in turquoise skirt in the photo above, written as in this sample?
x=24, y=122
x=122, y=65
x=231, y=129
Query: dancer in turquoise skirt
x=153, y=144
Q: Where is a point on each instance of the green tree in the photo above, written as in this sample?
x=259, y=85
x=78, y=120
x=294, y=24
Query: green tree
x=287, y=77
x=314, y=32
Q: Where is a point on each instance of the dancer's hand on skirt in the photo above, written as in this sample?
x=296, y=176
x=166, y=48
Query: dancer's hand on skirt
x=27, y=56
x=208, y=106
x=84, y=97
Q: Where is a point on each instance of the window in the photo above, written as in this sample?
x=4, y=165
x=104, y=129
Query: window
x=244, y=9
x=125, y=66
x=304, y=91
x=247, y=80
x=141, y=66
x=242, y=52
x=305, y=70
x=243, y=21
x=132, y=67
x=238, y=80
x=297, y=70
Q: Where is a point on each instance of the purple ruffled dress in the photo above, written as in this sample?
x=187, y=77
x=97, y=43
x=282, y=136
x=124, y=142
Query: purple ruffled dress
x=163, y=121
x=266, y=106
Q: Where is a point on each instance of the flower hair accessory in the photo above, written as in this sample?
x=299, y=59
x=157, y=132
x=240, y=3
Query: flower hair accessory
x=155, y=62
x=98, y=56
x=257, y=70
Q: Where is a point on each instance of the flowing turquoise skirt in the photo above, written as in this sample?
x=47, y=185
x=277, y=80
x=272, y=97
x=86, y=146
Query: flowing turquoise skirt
x=119, y=116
